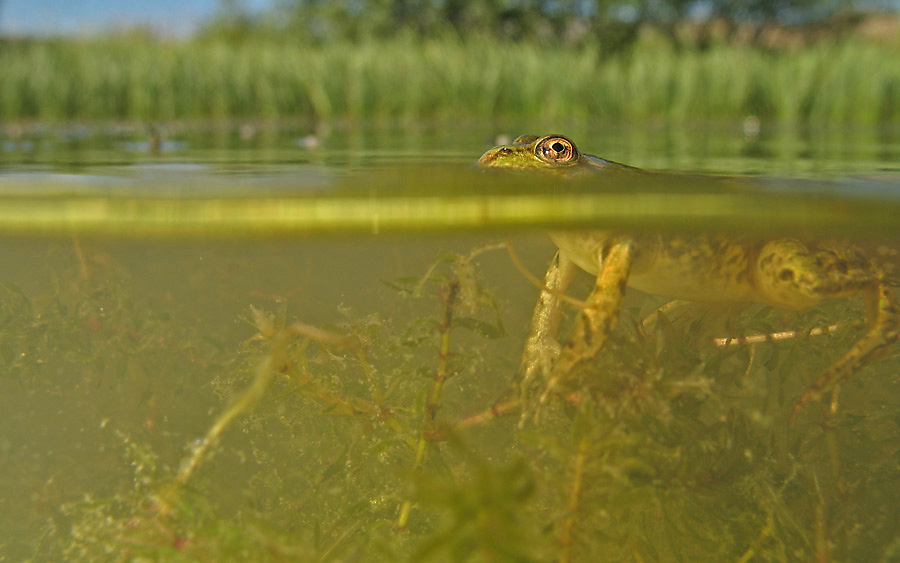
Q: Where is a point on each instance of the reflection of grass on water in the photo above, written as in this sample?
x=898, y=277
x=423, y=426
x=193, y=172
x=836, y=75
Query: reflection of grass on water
x=667, y=448
x=141, y=79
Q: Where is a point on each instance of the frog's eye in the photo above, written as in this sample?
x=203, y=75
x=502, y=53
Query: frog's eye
x=556, y=150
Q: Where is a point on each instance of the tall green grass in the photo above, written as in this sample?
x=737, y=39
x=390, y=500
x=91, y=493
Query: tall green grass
x=115, y=78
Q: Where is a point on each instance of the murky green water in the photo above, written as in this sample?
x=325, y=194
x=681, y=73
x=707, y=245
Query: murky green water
x=228, y=350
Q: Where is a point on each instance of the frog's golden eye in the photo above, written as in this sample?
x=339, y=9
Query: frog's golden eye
x=556, y=150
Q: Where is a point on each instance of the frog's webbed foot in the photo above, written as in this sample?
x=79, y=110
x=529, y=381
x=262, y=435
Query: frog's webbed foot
x=792, y=276
x=594, y=323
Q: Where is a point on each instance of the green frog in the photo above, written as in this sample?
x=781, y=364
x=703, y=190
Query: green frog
x=783, y=273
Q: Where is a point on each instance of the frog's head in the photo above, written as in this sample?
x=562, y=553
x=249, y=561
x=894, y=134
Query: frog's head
x=550, y=152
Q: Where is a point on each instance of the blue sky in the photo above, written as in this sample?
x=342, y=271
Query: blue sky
x=176, y=17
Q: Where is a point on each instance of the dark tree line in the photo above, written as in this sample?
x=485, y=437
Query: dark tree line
x=612, y=23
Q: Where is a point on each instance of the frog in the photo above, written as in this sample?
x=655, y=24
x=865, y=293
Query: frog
x=784, y=272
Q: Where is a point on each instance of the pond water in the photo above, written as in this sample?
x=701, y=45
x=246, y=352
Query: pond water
x=264, y=342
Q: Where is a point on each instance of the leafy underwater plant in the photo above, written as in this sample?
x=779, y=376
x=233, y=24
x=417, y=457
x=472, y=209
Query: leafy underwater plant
x=357, y=441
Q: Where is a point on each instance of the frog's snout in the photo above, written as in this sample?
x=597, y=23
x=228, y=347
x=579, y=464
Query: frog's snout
x=491, y=155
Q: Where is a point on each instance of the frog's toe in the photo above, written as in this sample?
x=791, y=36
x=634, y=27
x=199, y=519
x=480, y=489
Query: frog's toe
x=536, y=373
x=538, y=361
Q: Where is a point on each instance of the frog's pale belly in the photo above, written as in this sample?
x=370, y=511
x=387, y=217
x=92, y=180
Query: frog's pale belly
x=701, y=268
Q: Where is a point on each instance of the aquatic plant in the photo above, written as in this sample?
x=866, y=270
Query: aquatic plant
x=361, y=437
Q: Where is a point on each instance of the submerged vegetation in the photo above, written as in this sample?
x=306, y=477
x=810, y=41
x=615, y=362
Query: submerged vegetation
x=143, y=79
x=373, y=437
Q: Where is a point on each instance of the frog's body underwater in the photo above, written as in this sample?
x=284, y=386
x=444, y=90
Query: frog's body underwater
x=783, y=273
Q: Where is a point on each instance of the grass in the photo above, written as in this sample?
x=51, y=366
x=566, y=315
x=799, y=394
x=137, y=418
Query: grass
x=101, y=78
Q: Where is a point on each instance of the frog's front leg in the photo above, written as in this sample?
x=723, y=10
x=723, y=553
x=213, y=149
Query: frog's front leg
x=542, y=347
x=595, y=322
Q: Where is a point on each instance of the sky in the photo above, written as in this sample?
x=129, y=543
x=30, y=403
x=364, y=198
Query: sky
x=47, y=17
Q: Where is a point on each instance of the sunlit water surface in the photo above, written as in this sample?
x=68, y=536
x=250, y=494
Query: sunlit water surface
x=222, y=342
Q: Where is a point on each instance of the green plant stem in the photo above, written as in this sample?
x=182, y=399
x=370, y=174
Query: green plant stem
x=567, y=529
x=245, y=401
x=449, y=293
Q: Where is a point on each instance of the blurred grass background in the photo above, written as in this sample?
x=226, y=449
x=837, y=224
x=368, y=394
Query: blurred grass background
x=427, y=60
x=401, y=78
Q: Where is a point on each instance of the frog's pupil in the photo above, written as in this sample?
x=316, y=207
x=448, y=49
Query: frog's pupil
x=558, y=147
